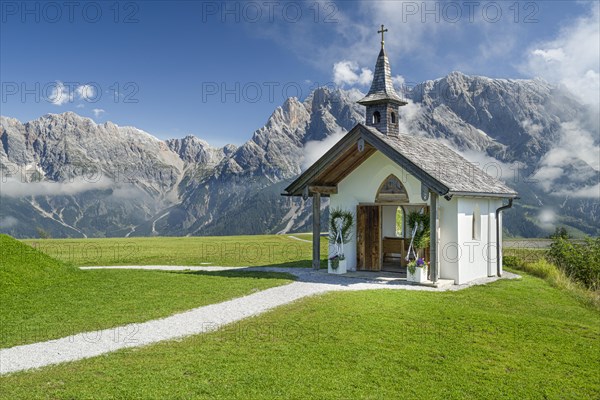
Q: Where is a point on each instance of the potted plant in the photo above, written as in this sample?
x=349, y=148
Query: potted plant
x=340, y=223
x=416, y=270
x=417, y=267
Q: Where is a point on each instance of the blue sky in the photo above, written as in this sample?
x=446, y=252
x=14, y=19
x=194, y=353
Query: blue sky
x=217, y=70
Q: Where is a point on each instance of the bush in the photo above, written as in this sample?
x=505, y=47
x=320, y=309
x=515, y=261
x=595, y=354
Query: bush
x=560, y=232
x=580, y=262
x=511, y=262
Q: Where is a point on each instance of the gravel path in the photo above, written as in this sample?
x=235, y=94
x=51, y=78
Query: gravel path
x=196, y=321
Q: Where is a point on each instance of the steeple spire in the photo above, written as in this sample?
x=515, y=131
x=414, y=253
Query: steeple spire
x=382, y=101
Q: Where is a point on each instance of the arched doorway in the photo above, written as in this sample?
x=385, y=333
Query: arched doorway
x=381, y=228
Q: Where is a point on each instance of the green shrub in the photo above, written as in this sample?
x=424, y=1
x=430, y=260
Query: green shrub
x=560, y=232
x=511, y=262
x=581, y=262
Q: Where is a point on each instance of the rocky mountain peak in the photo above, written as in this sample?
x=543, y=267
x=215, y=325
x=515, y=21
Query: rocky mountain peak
x=194, y=150
x=185, y=186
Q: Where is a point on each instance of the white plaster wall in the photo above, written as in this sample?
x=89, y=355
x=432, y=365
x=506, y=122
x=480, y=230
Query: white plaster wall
x=500, y=238
x=388, y=220
x=448, y=251
x=478, y=257
x=361, y=186
x=493, y=264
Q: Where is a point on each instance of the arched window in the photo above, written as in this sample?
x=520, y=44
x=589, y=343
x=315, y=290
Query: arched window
x=476, y=227
x=392, y=191
x=376, y=117
x=400, y=221
x=393, y=117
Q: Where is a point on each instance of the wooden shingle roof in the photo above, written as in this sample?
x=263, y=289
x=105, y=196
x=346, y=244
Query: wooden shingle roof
x=436, y=165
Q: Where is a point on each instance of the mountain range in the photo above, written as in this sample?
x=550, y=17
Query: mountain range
x=63, y=175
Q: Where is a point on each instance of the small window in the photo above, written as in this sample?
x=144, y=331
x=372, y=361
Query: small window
x=392, y=191
x=393, y=117
x=376, y=117
x=476, y=227
x=400, y=221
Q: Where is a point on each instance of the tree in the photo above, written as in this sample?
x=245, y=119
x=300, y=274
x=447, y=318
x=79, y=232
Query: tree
x=43, y=234
x=560, y=233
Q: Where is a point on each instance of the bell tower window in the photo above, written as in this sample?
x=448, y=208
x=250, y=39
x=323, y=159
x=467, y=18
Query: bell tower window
x=393, y=117
x=376, y=117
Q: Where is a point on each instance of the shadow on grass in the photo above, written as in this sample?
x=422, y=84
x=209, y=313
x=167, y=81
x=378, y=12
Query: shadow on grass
x=239, y=273
x=296, y=264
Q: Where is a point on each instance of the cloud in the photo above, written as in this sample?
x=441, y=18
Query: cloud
x=547, y=218
x=531, y=127
x=86, y=92
x=315, y=149
x=408, y=115
x=8, y=222
x=98, y=112
x=490, y=165
x=577, y=144
x=398, y=81
x=587, y=192
x=17, y=188
x=348, y=73
x=550, y=55
x=351, y=33
x=80, y=106
x=572, y=58
x=60, y=94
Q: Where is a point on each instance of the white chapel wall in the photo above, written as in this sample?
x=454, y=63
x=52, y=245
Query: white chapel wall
x=448, y=241
x=361, y=186
x=388, y=221
x=477, y=252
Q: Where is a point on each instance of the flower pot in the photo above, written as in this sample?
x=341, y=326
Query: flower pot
x=419, y=276
x=341, y=268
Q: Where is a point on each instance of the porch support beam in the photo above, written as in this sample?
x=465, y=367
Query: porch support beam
x=323, y=189
x=433, y=240
x=316, y=211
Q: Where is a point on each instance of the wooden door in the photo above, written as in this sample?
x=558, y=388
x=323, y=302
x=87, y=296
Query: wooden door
x=368, y=231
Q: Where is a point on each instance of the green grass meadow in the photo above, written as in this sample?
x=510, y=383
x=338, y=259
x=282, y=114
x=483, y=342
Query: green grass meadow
x=42, y=298
x=512, y=339
x=518, y=339
x=230, y=251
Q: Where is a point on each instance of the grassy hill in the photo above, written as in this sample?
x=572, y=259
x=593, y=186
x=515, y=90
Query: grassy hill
x=23, y=268
x=42, y=298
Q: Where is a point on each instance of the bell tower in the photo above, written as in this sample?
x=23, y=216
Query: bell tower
x=382, y=101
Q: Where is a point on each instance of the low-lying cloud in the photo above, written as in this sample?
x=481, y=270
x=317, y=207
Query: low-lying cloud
x=16, y=188
x=576, y=145
x=8, y=222
x=315, y=149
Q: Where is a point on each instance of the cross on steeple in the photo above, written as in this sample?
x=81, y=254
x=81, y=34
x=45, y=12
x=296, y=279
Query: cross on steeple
x=382, y=101
x=382, y=31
